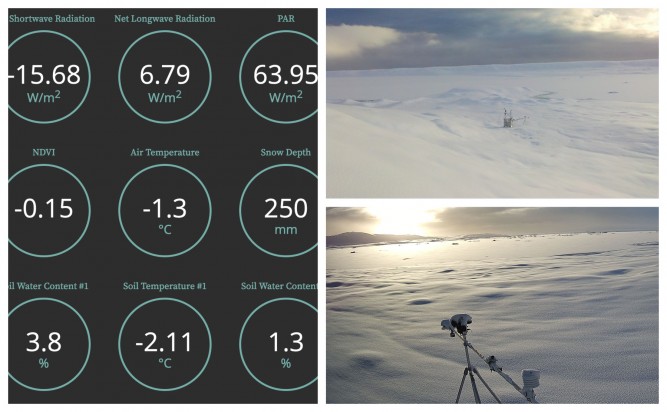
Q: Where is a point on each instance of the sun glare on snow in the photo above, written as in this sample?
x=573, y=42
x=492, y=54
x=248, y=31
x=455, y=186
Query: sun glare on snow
x=401, y=220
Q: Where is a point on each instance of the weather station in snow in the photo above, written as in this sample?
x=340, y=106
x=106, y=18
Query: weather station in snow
x=457, y=325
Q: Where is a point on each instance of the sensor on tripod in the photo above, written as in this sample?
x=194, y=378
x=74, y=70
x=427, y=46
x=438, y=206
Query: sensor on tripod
x=446, y=324
x=457, y=325
x=460, y=322
x=531, y=380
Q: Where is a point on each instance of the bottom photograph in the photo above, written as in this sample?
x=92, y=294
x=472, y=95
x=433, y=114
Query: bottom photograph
x=485, y=305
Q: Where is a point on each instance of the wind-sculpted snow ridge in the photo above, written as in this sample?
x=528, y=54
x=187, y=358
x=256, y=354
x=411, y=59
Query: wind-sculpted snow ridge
x=583, y=309
x=582, y=129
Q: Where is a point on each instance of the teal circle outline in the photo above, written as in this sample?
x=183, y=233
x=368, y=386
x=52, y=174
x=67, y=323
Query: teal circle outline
x=241, y=212
x=208, y=197
x=241, y=78
x=85, y=192
x=210, y=345
x=85, y=95
x=85, y=362
x=241, y=344
x=208, y=64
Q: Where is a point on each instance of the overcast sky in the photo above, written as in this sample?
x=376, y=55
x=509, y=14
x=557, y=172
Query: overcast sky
x=505, y=221
x=360, y=39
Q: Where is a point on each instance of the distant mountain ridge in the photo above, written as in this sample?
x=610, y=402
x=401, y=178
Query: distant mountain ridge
x=361, y=238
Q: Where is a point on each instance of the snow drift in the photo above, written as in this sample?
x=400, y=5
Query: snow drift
x=590, y=130
x=582, y=308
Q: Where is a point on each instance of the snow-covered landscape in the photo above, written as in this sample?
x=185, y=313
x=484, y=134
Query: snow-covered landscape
x=582, y=308
x=582, y=129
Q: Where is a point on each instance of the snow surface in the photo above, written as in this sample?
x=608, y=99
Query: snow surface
x=591, y=131
x=581, y=308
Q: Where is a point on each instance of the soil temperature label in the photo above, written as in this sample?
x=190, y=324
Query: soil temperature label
x=162, y=206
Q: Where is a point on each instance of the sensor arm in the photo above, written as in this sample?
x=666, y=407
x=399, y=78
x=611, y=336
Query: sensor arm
x=493, y=365
x=529, y=394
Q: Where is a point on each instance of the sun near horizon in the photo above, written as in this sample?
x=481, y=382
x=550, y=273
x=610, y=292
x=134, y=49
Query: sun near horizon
x=397, y=220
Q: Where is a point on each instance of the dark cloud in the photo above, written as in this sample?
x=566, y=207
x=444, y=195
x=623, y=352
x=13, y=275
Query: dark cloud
x=451, y=37
x=349, y=219
x=511, y=221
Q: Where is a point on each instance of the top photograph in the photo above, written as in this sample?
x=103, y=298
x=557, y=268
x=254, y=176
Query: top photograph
x=492, y=103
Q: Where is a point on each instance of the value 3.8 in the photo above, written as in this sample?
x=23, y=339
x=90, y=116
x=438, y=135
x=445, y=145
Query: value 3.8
x=54, y=344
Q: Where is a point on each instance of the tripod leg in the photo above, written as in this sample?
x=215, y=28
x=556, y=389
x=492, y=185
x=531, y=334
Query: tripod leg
x=474, y=388
x=485, y=384
x=472, y=378
x=465, y=372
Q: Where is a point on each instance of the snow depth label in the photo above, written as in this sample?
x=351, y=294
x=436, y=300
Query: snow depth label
x=162, y=206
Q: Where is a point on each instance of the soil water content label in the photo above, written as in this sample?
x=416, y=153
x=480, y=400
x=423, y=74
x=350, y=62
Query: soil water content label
x=162, y=206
